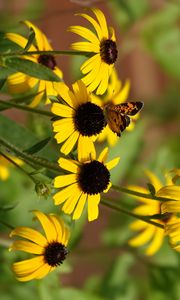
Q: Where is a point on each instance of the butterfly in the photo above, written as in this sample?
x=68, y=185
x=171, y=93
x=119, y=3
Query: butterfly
x=117, y=116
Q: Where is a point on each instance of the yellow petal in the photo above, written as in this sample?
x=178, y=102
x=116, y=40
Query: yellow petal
x=103, y=155
x=68, y=165
x=28, y=266
x=30, y=234
x=86, y=149
x=85, y=33
x=85, y=46
x=154, y=180
x=80, y=206
x=143, y=237
x=102, y=21
x=48, y=227
x=37, y=274
x=4, y=173
x=94, y=23
x=71, y=202
x=62, y=110
x=19, y=40
x=70, y=143
x=64, y=194
x=93, y=209
x=156, y=242
x=27, y=246
x=171, y=191
x=64, y=180
x=112, y=163
x=63, y=90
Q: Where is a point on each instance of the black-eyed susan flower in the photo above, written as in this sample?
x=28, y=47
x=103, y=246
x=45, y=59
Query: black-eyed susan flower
x=5, y=165
x=116, y=94
x=102, y=48
x=50, y=250
x=149, y=235
x=172, y=191
x=87, y=179
x=172, y=230
x=19, y=82
x=81, y=120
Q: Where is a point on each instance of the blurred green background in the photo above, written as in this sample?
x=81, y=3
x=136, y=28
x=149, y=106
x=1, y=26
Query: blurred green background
x=100, y=265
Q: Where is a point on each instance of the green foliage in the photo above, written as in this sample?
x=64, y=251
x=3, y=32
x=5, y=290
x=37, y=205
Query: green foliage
x=31, y=68
x=161, y=36
x=127, y=12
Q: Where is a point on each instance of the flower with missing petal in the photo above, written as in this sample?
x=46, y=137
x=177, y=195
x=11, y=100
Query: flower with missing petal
x=19, y=83
x=50, y=250
x=115, y=94
x=150, y=235
x=5, y=164
x=80, y=120
x=87, y=179
x=102, y=48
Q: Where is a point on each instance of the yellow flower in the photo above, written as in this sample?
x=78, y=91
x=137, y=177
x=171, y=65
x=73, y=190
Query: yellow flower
x=173, y=232
x=81, y=120
x=149, y=235
x=102, y=48
x=116, y=94
x=87, y=179
x=172, y=191
x=5, y=164
x=19, y=82
x=50, y=249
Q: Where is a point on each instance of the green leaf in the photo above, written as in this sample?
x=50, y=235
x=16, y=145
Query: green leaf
x=151, y=188
x=2, y=82
x=30, y=39
x=5, y=72
x=38, y=146
x=31, y=68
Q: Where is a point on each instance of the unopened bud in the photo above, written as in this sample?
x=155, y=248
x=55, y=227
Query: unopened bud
x=42, y=189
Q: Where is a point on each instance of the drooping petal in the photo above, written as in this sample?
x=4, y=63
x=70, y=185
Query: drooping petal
x=28, y=266
x=69, y=143
x=27, y=246
x=64, y=194
x=112, y=163
x=156, y=242
x=48, y=227
x=30, y=234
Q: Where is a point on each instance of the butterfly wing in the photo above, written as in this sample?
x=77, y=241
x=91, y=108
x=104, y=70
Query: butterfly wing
x=116, y=121
x=129, y=108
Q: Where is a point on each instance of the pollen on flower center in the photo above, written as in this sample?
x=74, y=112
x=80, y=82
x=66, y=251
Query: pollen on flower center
x=89, y=119
x=55, y=253
x=108, y=51
x=93, y=177
x=47, y=60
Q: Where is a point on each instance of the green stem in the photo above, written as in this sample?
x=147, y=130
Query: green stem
x=122, y=210
x=30, y=158
x=138, y=194
x=56, y=52
x=19, y=167
x=27, y=108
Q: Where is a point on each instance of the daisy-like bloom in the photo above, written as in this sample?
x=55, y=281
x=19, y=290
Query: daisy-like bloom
x=116, y=94
x=150, y=235
x=50, y=250
x=81, y=120
x=87, y=179
x=19, y=83
x=5, y=165
x=172, y=191
x=102, y=48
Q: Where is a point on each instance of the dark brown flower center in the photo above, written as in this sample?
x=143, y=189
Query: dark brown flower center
x=55, y=253
x=108, y=51
x=89, y=119
x=47, y=60
x=93, y=178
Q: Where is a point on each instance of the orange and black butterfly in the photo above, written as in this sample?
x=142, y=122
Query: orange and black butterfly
x=117, y=116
